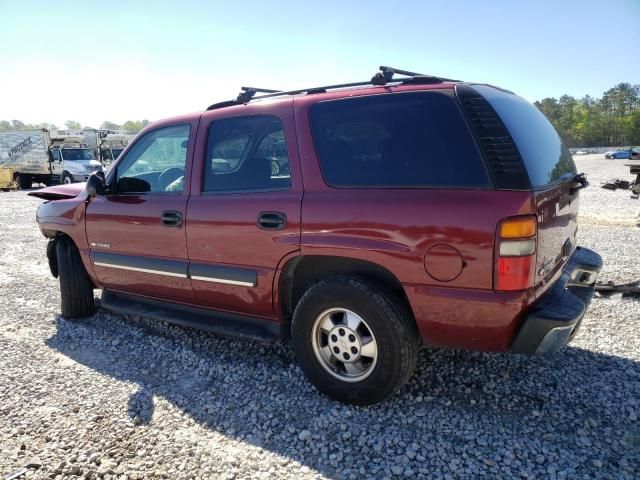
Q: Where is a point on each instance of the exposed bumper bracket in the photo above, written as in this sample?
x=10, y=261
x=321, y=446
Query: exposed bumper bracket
x=554, y=319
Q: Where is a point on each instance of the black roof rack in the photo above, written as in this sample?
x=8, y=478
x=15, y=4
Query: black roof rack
x=384, y=76
x=247, y=93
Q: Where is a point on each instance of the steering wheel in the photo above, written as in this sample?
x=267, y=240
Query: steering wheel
x=167, y=176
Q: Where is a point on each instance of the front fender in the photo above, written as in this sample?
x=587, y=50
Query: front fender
x=66, y=217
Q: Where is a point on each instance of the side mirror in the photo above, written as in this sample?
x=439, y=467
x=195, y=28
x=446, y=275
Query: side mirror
x=95, y=185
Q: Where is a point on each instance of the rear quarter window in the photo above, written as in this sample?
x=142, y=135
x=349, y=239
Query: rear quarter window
x=396, y=140
x=545, y=155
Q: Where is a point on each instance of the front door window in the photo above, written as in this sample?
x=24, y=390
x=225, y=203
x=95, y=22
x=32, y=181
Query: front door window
x=156, y=163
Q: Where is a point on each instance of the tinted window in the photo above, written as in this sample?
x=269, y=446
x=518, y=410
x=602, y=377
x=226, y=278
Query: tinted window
x=399, y=140
x=246, y=153
x=156, y=162
x=545, y=155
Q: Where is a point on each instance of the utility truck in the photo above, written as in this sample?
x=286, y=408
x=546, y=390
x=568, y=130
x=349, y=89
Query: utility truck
x=111, y=143
x=48, y=156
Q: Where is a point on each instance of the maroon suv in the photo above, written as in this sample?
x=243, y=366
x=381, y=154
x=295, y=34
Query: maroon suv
x=361, y=219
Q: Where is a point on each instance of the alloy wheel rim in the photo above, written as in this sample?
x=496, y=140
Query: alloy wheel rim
x=344, y=345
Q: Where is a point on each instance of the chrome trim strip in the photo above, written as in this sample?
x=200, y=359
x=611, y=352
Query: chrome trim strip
x=136, y=269
x=223, y=280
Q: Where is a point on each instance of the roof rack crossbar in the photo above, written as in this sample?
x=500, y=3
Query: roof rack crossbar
x=247, y=93
x=314, y=89
x=384, y=76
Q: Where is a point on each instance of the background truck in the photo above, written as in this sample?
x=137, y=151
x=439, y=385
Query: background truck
x=111, y=143
x=47, y=156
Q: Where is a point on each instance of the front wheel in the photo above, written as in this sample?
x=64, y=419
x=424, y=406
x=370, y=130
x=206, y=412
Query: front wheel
x=354, y=341
x=76, y=288
x=66, y=179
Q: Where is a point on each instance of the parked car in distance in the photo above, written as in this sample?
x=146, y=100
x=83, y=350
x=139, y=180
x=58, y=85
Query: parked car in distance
x=633, y=152
x=581, y=152
x=406, y=211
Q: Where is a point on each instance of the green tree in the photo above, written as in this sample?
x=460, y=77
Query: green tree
x=110, y=126
x=72, y=125
x=588, y=122
x=134, y=126
x=5, y=125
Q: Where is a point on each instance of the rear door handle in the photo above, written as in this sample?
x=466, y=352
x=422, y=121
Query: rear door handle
x=171, y=218
x=272, y=220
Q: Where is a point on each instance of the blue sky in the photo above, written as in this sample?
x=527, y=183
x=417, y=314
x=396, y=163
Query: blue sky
x=112, y=60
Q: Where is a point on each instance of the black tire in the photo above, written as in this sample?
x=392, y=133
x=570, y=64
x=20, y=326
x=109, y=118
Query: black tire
x=388, y=319
x=76, y=288
x=66, y=178
x=24, y=181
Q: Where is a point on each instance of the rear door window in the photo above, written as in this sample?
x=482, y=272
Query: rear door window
x=401, y=140
x=543, y=151
x=246, y=154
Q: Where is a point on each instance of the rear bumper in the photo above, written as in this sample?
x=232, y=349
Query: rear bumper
x=554, y=319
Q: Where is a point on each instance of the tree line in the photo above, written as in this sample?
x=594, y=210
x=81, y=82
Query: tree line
x=133, y=126
x=612, y=120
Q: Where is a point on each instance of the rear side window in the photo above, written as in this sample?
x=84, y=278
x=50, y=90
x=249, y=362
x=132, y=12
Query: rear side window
x=396, y=140
x=543, y=151
x=246, y=154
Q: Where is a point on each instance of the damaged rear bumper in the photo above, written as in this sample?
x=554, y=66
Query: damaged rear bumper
x=553, y=320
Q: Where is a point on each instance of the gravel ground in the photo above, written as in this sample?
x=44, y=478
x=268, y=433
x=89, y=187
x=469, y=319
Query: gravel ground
x=116, y=397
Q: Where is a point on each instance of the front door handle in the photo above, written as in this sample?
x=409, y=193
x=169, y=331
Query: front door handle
x=171, y=218
x=272, y=220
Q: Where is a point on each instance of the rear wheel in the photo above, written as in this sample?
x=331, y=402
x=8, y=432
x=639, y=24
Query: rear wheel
x=355, y=341
x=76, y=288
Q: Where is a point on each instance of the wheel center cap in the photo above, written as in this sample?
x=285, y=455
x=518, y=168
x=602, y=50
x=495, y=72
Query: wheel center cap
x=344, y=344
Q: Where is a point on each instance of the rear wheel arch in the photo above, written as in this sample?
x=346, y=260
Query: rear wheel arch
x=301, y=272
x=354, y=340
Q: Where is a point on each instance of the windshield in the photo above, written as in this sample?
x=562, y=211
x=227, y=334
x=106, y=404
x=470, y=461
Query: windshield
x=76, y=154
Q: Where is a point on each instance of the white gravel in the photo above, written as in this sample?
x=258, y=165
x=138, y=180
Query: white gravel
x=118, y=397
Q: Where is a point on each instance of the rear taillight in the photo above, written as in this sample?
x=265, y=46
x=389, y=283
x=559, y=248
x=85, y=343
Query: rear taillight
x=516, y=253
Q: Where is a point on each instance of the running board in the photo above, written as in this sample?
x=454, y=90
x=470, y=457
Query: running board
x=221, y=323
